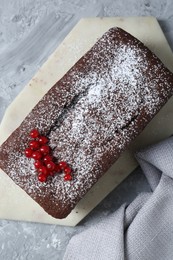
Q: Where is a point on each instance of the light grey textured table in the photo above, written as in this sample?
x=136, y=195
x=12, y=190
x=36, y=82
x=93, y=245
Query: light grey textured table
x=30, y=31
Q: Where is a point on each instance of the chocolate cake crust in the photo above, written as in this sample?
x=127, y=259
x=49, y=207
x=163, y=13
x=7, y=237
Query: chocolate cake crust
x=90, y=116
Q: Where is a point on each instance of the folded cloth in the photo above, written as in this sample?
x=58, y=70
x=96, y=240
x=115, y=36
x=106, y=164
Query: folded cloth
x=142, y=230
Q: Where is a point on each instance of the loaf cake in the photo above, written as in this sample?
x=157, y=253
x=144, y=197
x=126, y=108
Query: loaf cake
x=89, y=118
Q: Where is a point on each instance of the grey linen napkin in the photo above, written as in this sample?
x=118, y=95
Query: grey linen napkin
x=141, y=230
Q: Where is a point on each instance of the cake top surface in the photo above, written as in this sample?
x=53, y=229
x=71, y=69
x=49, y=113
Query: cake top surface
x=89, y=116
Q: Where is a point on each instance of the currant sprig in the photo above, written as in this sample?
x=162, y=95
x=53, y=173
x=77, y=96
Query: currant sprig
x=44, y=163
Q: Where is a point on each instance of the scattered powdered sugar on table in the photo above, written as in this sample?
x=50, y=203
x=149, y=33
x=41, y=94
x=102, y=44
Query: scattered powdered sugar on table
x=107, y=93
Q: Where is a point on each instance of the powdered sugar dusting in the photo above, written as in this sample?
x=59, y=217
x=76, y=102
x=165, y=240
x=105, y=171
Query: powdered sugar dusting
x=91, y=116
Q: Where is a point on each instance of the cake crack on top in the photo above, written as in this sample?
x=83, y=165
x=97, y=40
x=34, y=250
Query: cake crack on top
x=65, y=110
x=90, y=116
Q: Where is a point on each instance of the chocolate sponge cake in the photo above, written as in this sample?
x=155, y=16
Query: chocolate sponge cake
x=89, y=117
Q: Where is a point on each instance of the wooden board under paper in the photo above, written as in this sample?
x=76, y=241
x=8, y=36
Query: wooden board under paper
x=15, y=204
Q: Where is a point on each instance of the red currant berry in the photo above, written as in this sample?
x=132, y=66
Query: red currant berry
x=63, y=165
x=68, y=177
x=43, y=170
x=57, y=168
x=38, y=164
x=47, y=158
x=36, y=155
x=45, y=149
x=34, y=133
x=34, y=145
x=28, y=152
x=42, y=177
x=43, y=140
x=68, y=170
x=50, y=165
